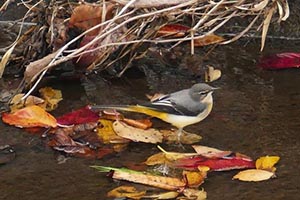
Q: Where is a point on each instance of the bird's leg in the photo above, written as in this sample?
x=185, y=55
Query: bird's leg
x=179, y=134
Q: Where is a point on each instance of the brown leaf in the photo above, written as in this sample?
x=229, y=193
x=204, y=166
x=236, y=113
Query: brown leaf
x=31, y=116
x=174, y=30
x=126, y=192
x=207, y=40
x=137, y=135
x=138, y=123
x=17, y=103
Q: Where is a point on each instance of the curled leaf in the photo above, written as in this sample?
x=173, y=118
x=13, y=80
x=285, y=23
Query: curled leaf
x=51, y=96
x=267, y=163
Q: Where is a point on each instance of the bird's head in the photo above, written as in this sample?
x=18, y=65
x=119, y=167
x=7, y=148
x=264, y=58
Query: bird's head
x=200, y=91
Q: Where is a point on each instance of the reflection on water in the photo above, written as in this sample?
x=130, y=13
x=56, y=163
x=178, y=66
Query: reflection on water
x=256, y=113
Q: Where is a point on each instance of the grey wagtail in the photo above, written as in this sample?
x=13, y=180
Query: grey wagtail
x=182, y=108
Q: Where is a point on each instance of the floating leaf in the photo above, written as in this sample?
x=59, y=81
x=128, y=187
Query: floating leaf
x=212, y=74
x=267, y=163
x=107, y=134
x=191, y=193
x=31, y=116
x=51, y=96
x=135, y=134
x=194, y=178
x=254, y=175
x=210, y=152
x=171, y=136
x=17, y=103
x=126, y=192
x=80, y=116
x=167, y=183
x=164, y=195
x=280, y=61
x=156, y=159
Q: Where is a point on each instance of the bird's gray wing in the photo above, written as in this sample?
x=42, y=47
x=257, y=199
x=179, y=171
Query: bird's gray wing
x=172, y=105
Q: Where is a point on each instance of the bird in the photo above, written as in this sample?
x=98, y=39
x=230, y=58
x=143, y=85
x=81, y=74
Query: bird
x=181, y=108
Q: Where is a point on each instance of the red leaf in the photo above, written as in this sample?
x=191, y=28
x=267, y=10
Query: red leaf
x=80, y=116
x=215, y=164
x=175, y=30
x=280, y=61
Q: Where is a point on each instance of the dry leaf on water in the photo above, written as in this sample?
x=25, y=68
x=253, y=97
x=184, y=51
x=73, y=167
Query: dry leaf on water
x=164, y=195
x=107, y=134
x=31, y=116
x=17, y=103
x=126, y=192
x=191, y=193
x=254, y=175
x=212, y=74
x=208, y=40
x=51, y=96
x=137, y=135
x=171, y=136
x=267, y=163
x=163, y=182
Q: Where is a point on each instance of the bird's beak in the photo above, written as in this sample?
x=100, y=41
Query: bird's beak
x=215, y=88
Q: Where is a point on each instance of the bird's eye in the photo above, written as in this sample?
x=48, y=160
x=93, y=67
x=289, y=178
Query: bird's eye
x=204, y=92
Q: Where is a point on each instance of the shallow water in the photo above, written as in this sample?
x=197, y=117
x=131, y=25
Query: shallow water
x=256, y=112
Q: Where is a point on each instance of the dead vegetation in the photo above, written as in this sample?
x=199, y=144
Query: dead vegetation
x=97, y=36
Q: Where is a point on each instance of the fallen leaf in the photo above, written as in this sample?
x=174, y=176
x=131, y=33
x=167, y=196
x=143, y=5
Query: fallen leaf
x=163, y=182
x=208, y=40
x=154, y=97
x=194, y=178
x=107, y=134
x=210, y=152
x=254, y=175
x=267, y=163
x=80, y=116
x=191, y=193
x=212, y=74
x=174, y=30
x=137, y=135
x=164, y=195
x=126, y=192
x=266, y=25
x=156, y=159
x=280, y=61
x=171, y=136
x=17, y=103
x=138, y=123
x=51, y=96
x=31, y=116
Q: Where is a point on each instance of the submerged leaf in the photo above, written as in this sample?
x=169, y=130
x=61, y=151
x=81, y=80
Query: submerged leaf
x=80, y=116
x=31, y=116
x=280, y=61
x=208, y=40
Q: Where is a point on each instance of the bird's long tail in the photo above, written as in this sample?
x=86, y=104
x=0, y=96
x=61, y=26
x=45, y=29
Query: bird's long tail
x=132, y=108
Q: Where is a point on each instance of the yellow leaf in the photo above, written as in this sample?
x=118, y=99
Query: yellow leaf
x=17, y=103
x=267, y=163
x=5, y=59
x=156, y=159
x=194, y=179
x=126, y=192
x=165, y=195
x=107, y=134
x=212, y=74
x=254, y=175
x=191, y=193
x=135, y=134
x=51, y=97
x=173, y=156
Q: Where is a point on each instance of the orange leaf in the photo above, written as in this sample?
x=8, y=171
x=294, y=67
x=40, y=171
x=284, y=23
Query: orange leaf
x=31, y=116
x=175, y=30
x=138, y=123
x=207, y=40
